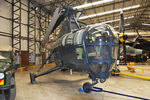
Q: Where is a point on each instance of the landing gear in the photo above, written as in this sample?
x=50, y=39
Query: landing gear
x=32, y=78
x=33, y=75
x=102, y=80
x=86, y=87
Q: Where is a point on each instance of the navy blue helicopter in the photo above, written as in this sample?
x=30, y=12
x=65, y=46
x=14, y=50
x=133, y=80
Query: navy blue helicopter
x=92, y=48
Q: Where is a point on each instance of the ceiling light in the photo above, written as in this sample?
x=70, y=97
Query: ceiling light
x=110, y=21
x=92, y=4
x=145, y=24
x=118, y=26
x=109, y=12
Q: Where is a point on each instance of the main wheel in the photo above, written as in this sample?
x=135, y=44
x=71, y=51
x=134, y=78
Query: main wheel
x=102, y=80
x=86, y=87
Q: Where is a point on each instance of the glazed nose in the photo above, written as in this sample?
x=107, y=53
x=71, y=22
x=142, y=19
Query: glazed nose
x=97, y=68
x=101, y=39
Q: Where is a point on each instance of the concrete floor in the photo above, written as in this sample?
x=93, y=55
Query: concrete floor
x=63, y=86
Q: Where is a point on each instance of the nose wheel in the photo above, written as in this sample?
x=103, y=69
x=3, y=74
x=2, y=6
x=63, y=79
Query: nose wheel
x=102, y=80
x=87, y=87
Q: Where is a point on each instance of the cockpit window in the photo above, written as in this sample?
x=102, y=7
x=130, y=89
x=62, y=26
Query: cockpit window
x=64, y=40
x=78, y=37
x=95, y=34
x=99, y=41
x=70, y=39
x=79, y=53
x=114, y=52
x=90, y=37
x=98, y=52
x=67, y=39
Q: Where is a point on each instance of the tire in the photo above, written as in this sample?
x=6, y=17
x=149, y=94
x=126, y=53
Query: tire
x=11, y=93
x=86, y=86
x=13, y=90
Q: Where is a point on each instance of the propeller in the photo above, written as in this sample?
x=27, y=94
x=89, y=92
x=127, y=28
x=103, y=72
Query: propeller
x=122, y=37
x=121, y=26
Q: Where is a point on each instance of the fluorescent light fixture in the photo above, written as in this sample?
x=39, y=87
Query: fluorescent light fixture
x=109, y=12
x=92, y=4
x=110, y=21
x=145, y=24
x=118, y=26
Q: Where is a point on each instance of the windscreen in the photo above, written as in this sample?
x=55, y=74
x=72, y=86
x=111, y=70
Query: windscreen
x=97, y=52
x=102, y=47
x=97, y=40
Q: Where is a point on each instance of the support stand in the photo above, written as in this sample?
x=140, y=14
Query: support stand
x=34, y=75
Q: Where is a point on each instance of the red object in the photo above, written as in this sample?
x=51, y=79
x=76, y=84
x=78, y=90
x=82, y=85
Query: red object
x=1, y=80
x=129, y=58
x=10, y=73
x=24, y=57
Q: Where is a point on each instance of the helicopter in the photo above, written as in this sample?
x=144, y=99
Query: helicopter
x=92, y=49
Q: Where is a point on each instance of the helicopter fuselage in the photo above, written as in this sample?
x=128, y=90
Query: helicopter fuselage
x=92, y=49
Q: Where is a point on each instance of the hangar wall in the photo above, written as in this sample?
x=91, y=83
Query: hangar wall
x=5, y=27
x=5, y=10
x=30, y=36
x=24, y=20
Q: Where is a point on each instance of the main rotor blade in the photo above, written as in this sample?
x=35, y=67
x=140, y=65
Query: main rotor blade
x=56, y=20
x=121, y=27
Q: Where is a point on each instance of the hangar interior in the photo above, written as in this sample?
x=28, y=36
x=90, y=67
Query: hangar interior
x=24, y=24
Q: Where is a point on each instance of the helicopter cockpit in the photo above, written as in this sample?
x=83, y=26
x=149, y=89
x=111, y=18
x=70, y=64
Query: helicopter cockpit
x=101, y=47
